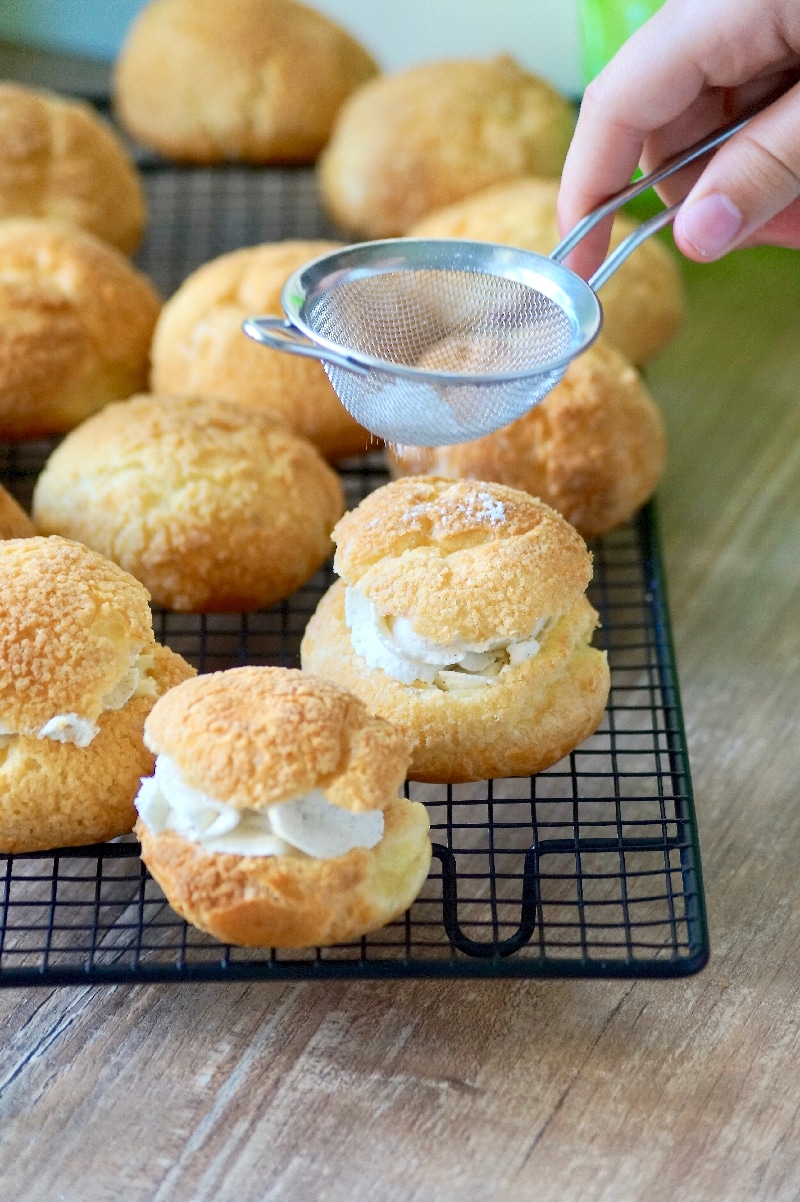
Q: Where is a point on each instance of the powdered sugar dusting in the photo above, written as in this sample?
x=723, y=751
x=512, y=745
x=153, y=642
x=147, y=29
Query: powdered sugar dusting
x=480, y=507
x=494, y=509
x=417, y=515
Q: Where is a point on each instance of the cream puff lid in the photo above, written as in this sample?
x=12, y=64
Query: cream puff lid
x=461, y=560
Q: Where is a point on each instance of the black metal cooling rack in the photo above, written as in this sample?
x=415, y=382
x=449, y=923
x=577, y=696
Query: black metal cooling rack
x=589, y=869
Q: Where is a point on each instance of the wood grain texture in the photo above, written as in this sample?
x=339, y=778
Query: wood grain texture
x=562, y=1091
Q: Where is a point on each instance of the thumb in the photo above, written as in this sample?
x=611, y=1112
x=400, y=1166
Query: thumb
x=750, y=179
x=782, y=230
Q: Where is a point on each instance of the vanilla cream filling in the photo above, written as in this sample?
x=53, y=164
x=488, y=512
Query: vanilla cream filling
x=310, y=824
x=72, y=728
x=393, y=645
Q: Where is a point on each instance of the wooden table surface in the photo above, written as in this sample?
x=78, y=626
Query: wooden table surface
x=570, y=1091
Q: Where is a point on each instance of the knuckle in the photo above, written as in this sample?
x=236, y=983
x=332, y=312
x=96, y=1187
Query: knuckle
x=601, y=102
x=601, y=96
x=772, y=168
x=594, y=93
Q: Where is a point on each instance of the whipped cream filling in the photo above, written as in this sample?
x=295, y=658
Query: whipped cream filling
x=393, y=645
x=310, y=824
x=72, y=728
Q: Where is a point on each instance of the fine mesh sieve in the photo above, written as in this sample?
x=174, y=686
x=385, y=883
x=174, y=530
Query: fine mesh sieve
x=437, y=341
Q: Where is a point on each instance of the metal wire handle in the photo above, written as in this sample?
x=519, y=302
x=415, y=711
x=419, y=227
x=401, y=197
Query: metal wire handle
x=609, y=207
x=279, y=334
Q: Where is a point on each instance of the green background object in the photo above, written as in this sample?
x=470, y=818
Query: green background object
x=605, y=25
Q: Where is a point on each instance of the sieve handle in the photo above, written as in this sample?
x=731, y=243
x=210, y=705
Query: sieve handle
x=695, y=151
x=629, y=244
x=281, y=335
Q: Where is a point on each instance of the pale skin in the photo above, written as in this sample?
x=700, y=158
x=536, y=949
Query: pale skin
x=691, y=68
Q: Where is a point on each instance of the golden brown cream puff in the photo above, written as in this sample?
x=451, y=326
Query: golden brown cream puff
x=211, y=505
x=59, y=159
x=199, y=348
x=273, y=816
x=461, y=618
x=253, y=80
x=76, y=319
x=407, y=143
x=79, y=671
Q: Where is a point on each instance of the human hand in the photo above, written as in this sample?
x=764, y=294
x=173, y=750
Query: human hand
x=694, y=66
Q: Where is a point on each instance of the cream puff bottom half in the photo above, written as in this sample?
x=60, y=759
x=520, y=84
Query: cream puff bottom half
x=533, y=716
x=294, y=900
x=59, y=795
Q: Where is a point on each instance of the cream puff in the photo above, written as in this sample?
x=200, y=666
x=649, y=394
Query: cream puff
x=273, y=816
x=76, y=319
x=199, y=348
x=408, y=143
x=79, y=671
x=642, y=301
x=461, y=617
x=594, y=448
x=60, y=159
x=212, y=506
x=253, y=80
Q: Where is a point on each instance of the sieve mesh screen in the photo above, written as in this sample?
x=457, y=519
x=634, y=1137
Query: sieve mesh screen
x=447, y=320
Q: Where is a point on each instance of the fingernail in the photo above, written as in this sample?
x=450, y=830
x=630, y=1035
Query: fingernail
x=711, y=224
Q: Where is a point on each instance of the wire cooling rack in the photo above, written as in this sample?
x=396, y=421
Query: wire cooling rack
x=589, y=869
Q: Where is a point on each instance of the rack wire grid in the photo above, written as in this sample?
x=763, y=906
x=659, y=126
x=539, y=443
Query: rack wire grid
x=589, y=869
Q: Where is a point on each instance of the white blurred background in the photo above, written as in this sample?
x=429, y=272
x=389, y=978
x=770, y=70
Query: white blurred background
x=540, y=34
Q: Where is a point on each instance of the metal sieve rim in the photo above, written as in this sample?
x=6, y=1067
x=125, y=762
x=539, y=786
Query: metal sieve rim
x=564, y=287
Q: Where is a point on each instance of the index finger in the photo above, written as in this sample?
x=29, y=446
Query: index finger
x=656, y=76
